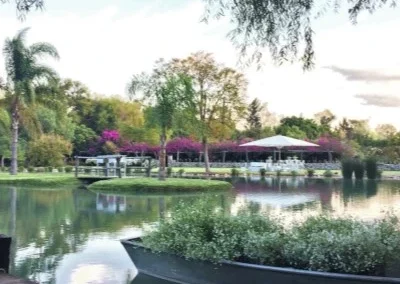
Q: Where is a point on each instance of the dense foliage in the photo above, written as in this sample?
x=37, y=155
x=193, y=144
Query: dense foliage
x=320, y=243
x=207, y=125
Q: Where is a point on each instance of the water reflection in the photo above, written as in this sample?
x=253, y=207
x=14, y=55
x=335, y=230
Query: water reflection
x=72, y=236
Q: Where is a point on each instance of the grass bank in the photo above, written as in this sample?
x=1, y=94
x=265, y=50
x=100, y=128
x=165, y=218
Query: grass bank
x=38, y=179
x=154, y=185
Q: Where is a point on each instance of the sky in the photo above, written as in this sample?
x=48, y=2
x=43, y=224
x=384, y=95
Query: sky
x=103, y=43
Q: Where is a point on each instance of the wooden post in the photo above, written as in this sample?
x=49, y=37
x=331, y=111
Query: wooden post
x=76, y=166
x=5, y=246
x=223, y=156
x=105, y=167
x=177, y=156
x=119, y=173
x=148, y=170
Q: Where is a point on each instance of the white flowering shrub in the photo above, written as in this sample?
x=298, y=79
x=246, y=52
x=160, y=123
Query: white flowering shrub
x=345, y=245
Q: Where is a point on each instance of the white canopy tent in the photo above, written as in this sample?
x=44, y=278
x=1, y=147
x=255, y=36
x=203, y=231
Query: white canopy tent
x=279, y=142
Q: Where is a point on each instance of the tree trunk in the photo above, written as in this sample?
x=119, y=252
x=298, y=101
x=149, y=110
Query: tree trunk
x=14, y=142
x=162, y=156
x=2, y=162
x=12, y=226
x=330, y=156
x=206, y=159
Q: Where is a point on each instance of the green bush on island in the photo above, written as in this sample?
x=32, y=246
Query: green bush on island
x=347, y=168
x=328, y=174
x=153, y=184
x=322, y=243
x=310, y=172
x=235, y=172
x=371, y=167
x=359, y=169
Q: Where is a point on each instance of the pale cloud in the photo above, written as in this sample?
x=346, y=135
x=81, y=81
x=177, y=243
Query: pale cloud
x=379, y=100
x=104, y=49
x=364, y=75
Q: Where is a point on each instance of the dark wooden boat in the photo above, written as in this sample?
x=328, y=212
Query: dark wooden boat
x=180, y=270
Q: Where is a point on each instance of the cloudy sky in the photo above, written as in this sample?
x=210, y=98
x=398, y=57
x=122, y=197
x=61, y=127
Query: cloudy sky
x=102, y=43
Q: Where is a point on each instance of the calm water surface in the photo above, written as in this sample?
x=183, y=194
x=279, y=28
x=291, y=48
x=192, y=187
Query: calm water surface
x=72, y=235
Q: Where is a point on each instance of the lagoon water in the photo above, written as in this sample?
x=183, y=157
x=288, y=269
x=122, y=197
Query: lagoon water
x=72, y=235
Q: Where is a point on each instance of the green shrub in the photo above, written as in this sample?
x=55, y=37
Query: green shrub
x=359, y=169
x=40, y=170
x=310, y=172
x=31, y=169
x=379, y=174
x=169, y=171
x=371, y=168
x=328, y=174
x=263, y=172
x=278, y=173
x=294, y=173
x=68, y=169
x=347, y=168
x=181, y=172
x=343, y=245
x=60, y=169
x=235, y=172
x=21, y=169
x=50, y=169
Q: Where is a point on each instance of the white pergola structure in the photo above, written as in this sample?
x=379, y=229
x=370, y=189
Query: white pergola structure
x=279, y=142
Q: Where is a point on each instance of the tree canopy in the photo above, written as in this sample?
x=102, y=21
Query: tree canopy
x=25, y=6
x=285, y=28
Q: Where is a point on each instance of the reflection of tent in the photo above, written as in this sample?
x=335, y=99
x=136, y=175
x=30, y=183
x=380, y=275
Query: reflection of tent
x=280, y=199
x=279, y=142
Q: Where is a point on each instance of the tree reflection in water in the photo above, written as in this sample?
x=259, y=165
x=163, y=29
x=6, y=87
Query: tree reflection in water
x=57, y=232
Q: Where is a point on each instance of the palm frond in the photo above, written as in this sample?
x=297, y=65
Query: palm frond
x=42, y=49
x=40, y=71
x=21, y=35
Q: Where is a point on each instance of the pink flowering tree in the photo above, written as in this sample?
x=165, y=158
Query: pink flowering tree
x=107, y=143
x=183, y=145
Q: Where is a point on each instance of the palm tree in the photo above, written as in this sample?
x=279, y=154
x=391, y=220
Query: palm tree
x=24, y=73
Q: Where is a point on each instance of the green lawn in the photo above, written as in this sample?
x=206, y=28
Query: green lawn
x=39, y=179
x=154, y=185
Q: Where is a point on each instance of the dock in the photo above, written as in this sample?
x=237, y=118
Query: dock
x=5, y=278
x=91, y=169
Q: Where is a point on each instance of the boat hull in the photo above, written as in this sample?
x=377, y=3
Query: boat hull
x=180, y=270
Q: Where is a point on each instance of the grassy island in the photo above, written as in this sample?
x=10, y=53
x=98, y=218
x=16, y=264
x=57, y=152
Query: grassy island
x=35, y=180
x=153, y=184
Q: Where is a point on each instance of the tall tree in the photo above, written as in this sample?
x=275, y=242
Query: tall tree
x=24, y=71
x=325, y=119
x=386, y=131
x=214, y=86
x=283, y=27
x=254, y=125
x=299, y=127
x=167, y=93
